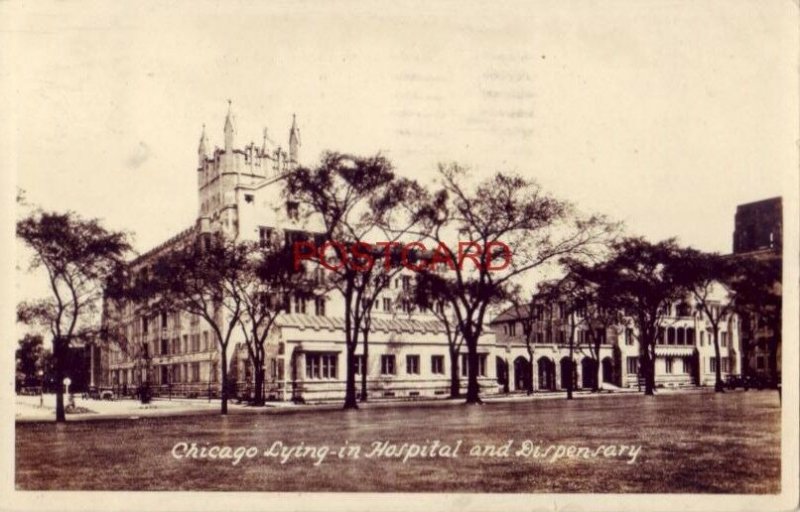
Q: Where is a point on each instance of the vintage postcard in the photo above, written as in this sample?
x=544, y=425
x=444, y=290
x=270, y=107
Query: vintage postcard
x=400, y=255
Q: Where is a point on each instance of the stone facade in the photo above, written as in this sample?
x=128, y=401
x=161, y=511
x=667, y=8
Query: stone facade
x=685, y=354
x=239, y=195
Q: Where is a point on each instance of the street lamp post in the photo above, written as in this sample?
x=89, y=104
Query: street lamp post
x=41, y=388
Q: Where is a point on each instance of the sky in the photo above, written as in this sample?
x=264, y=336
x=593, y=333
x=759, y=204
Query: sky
x=664, y=115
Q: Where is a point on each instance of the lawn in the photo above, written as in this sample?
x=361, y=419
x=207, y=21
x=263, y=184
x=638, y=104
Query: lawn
x=692, y=442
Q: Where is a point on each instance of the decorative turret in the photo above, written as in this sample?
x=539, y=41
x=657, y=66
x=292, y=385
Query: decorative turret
x=264, y=142
x=229, y=130
x=294, y=140
x=202, y=148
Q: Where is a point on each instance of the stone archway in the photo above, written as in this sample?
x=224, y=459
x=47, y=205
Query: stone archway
x=588, y=373
x=502, y=373
x=608, y=370
x=522, y=374
x=547, y=374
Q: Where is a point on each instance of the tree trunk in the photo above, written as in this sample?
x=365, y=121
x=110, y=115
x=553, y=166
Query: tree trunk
x=718, y=386
x=455, y=379
x=224, y=391
x=570, y=370
x=530, y=377
x=473, y=388
x=598, y=374
x=364, y=370
x=258, y=388
x=350, y=401
x=648, y=371
x=58, y=354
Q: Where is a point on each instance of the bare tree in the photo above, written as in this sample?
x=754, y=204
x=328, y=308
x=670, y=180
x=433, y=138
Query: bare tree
x=350, y=197
x=77, y=256
x=507, y=226
x=268, y=275
x=644, y=281
x=204, y=279
x=433, y=293
x=599, y=312
x=528, y=312
x=703, y=275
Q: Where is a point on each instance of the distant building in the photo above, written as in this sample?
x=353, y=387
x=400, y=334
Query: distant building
x=684, y=349
x=758, y=234
x=758, y=226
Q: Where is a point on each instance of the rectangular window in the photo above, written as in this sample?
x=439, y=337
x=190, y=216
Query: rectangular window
x=724, y=338
x=292, y=210
x=540, y=337
x=387, y=304
x=163, y=319
x=412, y=364
x=359, y=365
x=632, y=365
x=601, y=335
x=712, y=364
x=214, y=372
x=481, y=365
x=512, y=328
x=164, y=347
x=437, y=365
x=629, y=336
x=320, y=365
x=319, y=306
x=668, y=365
x=388, y=365
x=299, y=305
x=205, y=341
x=265, y=236
x=702, y=337
x=562, y=337
x=195, y=372
x=406, y=283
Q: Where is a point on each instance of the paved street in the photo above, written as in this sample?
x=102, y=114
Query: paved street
x=688, y=442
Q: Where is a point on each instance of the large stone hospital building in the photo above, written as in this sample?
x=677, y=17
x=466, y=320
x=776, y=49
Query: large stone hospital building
x=239, y=194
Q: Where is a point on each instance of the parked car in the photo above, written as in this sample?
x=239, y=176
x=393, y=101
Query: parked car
x=96, y=393
x=749, y=382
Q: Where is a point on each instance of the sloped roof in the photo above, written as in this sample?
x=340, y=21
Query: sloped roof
x=511, y=313
x=410, y=325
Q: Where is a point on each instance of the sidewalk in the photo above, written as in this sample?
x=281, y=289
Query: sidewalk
x=27, y=407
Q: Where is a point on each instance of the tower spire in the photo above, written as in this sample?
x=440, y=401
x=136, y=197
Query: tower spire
x=229, y=130
x=294, y=140
x=202, y=148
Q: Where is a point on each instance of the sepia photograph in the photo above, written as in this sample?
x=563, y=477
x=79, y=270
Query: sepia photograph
x=400, y=255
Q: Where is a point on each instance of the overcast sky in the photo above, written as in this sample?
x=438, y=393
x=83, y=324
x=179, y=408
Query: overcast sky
x=664, y=115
